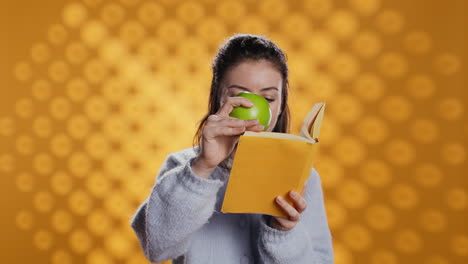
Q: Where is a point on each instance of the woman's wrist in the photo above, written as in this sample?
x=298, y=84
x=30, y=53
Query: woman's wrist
x=200, y=168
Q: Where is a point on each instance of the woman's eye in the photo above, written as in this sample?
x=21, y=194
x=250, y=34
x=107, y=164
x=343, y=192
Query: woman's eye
x=270, y=100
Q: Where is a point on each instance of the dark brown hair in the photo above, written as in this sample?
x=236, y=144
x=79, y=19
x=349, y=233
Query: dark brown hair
x=237, y=49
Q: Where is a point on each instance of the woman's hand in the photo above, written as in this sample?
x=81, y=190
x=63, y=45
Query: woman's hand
x=293, y=212
x=220, y=135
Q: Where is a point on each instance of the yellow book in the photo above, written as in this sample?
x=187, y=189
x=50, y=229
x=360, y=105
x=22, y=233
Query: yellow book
x=268, y=164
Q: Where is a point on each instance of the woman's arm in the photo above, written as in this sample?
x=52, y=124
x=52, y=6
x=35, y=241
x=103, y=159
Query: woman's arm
x=180, y=203
x=308, y=242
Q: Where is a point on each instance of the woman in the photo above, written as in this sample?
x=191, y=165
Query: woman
x=181, y=219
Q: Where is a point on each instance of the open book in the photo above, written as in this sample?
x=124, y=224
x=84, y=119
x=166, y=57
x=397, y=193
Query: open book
x=268, y=164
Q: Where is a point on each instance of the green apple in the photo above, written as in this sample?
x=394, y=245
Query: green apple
x=260, y=110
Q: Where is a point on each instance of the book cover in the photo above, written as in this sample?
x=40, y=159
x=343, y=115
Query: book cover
x=268, y=164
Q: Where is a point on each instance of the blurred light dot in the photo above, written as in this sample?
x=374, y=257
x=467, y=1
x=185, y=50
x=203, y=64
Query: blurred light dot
x=22, y=71
x=418, y=42
x=62, y=221
x=404, y=196
x=61, y=257
x=96, y=108
x=336, y=214
x=99, y=223
x=369, y=87
x=57, y=34
x=457, y=198
x=459, y=245
x=332, y=169
x=367, y=44
x=190, y=12
x=80, y=202
x=396, y=108
x=93, y=33
x=376, y=173
x=7, y=162
x=342, y=23
x=24, y=107
x=60, y=108
x=61, y=183
x=77, y=89
x=436, y=260
x=78, y=126
x=74, y=14
x=346, y=108
x=254, y=24
x=98, y=184
x=273, y=10
x=320, y=46
x=118, y=244
x=447, y=64
x=433, y=220
x=324, y=86
x=117, y=204
x=171, y=31
x=400, y=152
x=357, y=237
x=24, y=220
x=95, y=71
x=424, y=130
x=59, y=71
x=43, y=201
x=113, y=51
x=41, y=90
x=79, y=164
x=42, y=126
x=344, y=66
x=99, y=256
x=451, y=108
x=428, y=175
x=393, y=65
x=380, y=217
x=61, y=145
x=365, y=7
x=383, y=256
x=97, y=146
x=420, y=86
x=349, y=151
x=7, y=126
x=25, y=182
x=453, y=153
x=132, y=32
x=112, y=14
x=372, y=130
x=353, y=194
x=318, y=8
x=40, y=52
x=43, y=239
x=76, y=53
x=230, y=11
x=43, y=163
x=80, y=241
x=408, y=241
x=213, y=32
x=25, y=144
x=150, y=13
x=390, y=21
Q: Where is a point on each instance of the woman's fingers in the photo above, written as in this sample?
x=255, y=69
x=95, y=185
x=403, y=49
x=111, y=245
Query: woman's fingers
x=293, y=214
x=299, y=202
x=232, y=102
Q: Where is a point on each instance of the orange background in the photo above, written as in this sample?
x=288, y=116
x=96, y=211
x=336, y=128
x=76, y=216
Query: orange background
x=94, y=95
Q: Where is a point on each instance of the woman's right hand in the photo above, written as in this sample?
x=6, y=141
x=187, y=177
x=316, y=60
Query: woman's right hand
x=220, y=135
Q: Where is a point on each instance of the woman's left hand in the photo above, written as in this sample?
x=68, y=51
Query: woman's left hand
x=293, y=212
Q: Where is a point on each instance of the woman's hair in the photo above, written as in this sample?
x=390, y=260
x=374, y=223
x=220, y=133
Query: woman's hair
x=237, y=49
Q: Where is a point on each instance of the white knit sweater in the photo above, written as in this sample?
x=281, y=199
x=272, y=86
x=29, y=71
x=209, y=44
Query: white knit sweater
x=181, y=220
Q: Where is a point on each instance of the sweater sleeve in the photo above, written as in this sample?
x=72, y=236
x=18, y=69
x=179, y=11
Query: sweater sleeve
x=179, y=204
x=308, y=242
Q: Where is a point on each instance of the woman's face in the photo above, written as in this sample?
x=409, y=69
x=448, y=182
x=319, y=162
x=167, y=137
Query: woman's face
x=259, y=77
